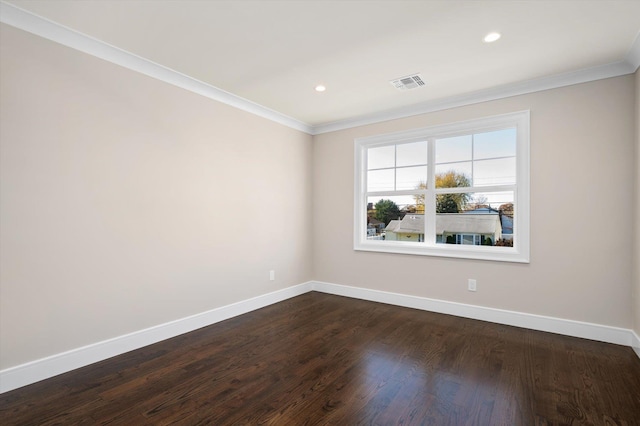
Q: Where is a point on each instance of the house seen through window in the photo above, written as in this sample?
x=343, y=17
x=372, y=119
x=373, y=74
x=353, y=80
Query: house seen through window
x=458, y=190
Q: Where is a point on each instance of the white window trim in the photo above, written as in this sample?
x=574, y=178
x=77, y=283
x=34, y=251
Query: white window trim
x=518, y=253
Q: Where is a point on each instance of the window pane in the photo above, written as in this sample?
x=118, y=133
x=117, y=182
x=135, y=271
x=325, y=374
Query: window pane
x=411, y=154
x=380, y=180
x=411, y=177
x=382, y=157
x=494, y=172
x=501, y=143
x=453, y=149
x=467, y=239
x=453, y=175
x=408, y=229
x=475, y=218
x=395, y=218
x=467, y=174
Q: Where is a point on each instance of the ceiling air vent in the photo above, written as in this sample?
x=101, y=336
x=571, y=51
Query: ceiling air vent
x=409, y=82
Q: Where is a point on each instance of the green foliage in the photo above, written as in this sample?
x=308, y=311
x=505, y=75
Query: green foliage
x=386, y=211
x=447, y=203
x=452, y=203
x=488, y=241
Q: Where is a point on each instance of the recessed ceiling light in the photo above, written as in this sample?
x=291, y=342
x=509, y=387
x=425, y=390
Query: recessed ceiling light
x=320, y=88
x=491, y=37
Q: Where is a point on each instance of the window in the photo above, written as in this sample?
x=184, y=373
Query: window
x=456, y=190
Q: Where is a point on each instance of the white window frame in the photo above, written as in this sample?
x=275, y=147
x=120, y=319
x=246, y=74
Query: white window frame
x=518, y=253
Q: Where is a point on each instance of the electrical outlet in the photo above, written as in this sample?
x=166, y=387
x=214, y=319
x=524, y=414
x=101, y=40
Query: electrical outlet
x=272, y=275
x=472, y=284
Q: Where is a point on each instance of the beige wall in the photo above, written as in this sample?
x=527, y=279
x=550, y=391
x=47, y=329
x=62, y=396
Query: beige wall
x=636, y=260
x=127, y=202
x=582, y=171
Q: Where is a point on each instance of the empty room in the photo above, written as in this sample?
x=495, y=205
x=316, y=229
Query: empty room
x=313, y=212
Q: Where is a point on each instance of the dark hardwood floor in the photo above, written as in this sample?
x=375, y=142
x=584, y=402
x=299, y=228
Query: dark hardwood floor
x=320, y=359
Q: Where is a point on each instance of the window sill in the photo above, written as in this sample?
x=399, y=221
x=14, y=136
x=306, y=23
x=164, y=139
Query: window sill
x=499, y=254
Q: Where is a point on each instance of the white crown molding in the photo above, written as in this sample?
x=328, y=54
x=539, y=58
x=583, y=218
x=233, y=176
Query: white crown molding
x=633, y=56
x=35, y=371
x=615, y=69
x=27, y=21
x=602, y=333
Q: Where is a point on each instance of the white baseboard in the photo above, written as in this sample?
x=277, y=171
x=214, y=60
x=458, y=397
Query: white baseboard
x=35, y=371
x=635, y=343
x=566, y=327
x=31, y=372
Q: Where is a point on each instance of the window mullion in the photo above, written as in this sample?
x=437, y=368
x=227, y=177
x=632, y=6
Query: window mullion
x=492, y=188
x=430, y=196
x=360, y=232
x=395, y=167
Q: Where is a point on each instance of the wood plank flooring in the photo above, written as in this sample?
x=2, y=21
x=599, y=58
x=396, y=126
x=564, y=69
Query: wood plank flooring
x=319, y=359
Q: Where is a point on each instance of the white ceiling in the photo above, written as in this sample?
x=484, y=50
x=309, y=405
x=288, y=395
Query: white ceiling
x=274, y=53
